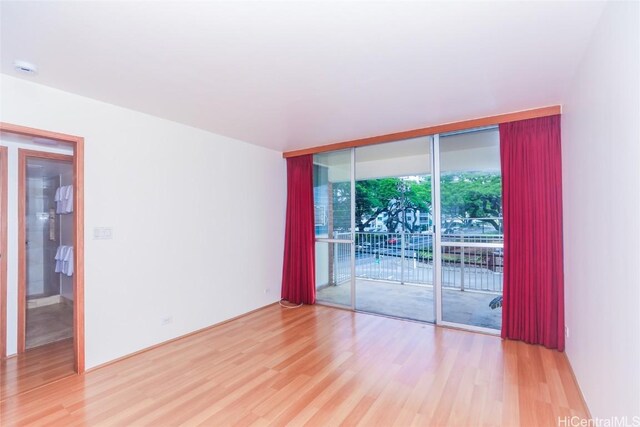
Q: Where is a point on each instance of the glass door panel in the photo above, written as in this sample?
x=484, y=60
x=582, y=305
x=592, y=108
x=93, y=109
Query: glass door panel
x=393, y=237
x=471, y=233
x=332, y=194
x=333, y=273
x=333, y=205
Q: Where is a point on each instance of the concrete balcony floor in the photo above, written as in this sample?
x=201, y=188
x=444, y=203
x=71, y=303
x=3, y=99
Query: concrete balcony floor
x=415, y=302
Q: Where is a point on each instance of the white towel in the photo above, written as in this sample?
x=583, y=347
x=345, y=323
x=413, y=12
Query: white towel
x=68, y=261
x=58, y=199
x=63, y=254
x=59, y=258
x=68, y=199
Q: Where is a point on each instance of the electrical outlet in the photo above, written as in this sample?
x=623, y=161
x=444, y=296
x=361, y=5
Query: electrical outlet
x=566, y=331
x=166, y=320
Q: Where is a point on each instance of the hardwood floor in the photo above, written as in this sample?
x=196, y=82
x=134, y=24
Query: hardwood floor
x=316, y=366
x=36, y=367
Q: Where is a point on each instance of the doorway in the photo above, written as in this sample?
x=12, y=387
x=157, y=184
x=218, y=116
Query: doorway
x=413, y=229
x=45, y=278
x=42, y=299
x=469, y=240
x=394, y=238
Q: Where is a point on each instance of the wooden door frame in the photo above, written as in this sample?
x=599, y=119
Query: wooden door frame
x=77, y=143
x=4, y=163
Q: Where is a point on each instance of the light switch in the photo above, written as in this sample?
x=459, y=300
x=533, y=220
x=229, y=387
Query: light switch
x=102, y=233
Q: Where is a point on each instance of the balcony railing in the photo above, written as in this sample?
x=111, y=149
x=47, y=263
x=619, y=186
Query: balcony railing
x=472, y=265
x=469, y=262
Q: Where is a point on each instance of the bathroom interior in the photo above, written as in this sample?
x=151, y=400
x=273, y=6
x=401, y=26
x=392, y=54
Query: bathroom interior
x=49, y=251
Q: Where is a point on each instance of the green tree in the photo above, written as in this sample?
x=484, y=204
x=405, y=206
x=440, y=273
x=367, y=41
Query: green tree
x=464, y=197
x=471, y=195
x=393, y=196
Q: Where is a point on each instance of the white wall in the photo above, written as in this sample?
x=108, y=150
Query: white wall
x=601, y=173
x=198, y=220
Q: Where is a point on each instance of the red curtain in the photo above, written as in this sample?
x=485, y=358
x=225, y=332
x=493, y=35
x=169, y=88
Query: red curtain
x=533, y=296
x=298, y=272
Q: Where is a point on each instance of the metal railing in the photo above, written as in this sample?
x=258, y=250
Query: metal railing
x=474, y=266
x=469, y=262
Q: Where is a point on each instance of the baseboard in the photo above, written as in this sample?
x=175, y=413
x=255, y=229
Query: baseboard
x=9, y=356
x=575, y=380
x=198, y=331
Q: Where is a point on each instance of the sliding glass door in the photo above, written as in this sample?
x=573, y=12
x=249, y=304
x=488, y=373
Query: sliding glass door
x=394, y=240
x=333, y=212
x=470, y=236
x=413, y=229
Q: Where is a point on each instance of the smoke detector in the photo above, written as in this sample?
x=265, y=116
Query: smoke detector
x=25, y=67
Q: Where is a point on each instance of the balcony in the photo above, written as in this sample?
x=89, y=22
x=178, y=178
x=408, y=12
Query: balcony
x=394, y=276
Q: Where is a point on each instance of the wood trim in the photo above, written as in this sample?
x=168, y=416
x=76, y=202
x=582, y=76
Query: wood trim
x=22, y=255
x=77, y=143
x=4, y=176
x=430, y=130
x=23, y=152
x=78, y=277
x=181, y=337
x=39, y=133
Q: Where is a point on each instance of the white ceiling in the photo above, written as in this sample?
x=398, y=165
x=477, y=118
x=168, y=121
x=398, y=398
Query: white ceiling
x=288, y=75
